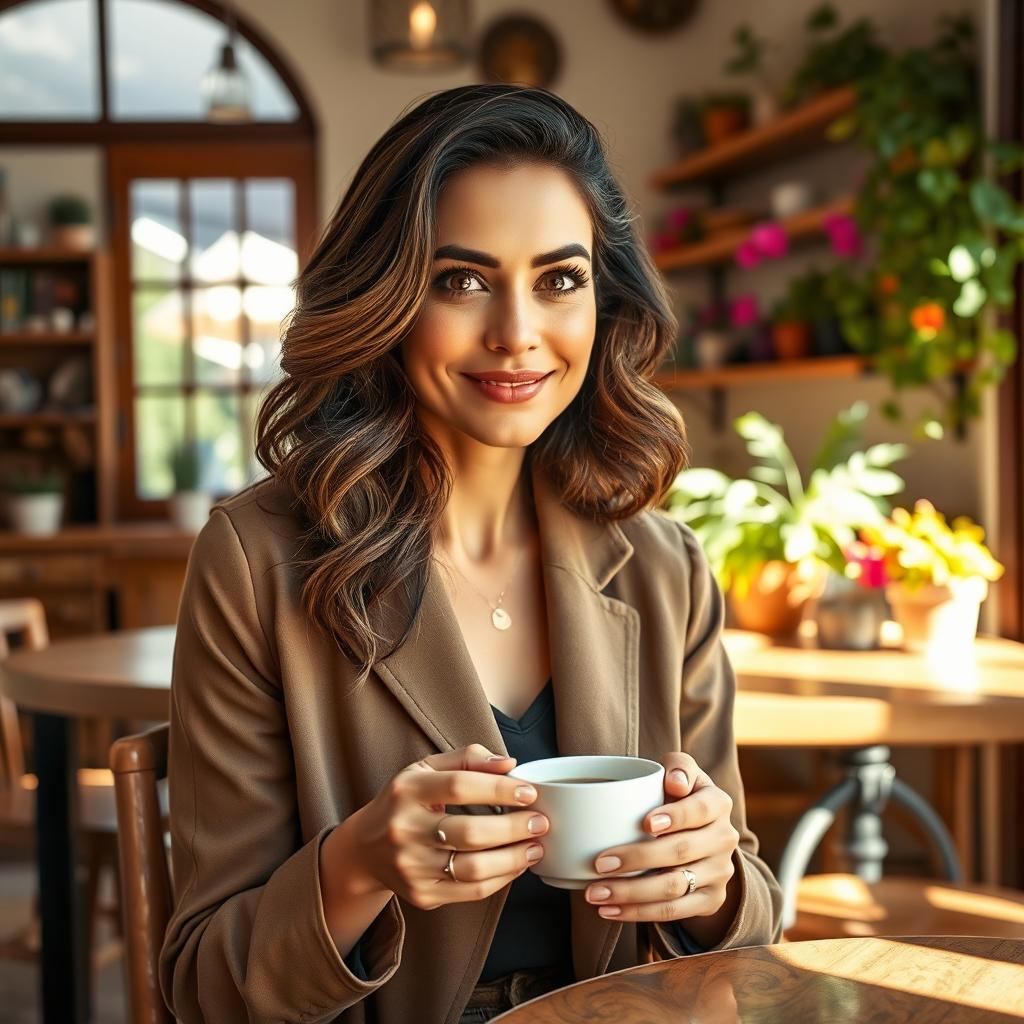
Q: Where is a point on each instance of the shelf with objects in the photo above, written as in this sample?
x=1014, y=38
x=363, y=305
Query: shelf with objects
x=52, y=379
x=726, y=345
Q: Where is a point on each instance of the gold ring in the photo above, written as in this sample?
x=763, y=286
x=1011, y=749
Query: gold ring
x=439, y=832
x=449, y=868
x=691, y=881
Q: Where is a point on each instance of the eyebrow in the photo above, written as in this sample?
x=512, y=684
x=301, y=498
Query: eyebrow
x=457, y=252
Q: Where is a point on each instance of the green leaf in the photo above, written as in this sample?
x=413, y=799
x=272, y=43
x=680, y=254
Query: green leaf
x=993, y=204
x=768, y=475
x=701, y=482
x=972, y=297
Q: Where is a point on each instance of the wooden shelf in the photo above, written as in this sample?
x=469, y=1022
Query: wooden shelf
x=744, y=374
x=44, y=418
x=11, y=256
x=27, y=339
x=721, y=247
x=787, y=135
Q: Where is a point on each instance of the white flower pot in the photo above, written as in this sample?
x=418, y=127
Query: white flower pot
x=190, y=509
x=36, y=514
x=711, y=349
x=937, y=620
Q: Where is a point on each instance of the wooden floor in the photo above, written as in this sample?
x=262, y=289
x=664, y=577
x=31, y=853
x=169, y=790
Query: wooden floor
x=19, y=982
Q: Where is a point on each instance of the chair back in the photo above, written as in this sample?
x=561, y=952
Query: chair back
x=24, y=617
x=137, y=763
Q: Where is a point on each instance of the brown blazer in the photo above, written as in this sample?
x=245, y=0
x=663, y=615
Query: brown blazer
x=269, y=750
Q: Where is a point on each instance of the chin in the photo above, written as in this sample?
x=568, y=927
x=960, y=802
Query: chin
x=520, y=435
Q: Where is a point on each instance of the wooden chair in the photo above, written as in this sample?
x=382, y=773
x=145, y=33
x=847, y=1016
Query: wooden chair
x=27, y=618
x=139, y=763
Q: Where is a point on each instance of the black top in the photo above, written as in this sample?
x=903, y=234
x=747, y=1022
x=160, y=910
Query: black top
x=533, y=930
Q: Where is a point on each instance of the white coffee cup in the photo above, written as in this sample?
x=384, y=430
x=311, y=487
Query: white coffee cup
x=587, y=818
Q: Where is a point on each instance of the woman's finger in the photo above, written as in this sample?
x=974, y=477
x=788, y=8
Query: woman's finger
x=663, y=895
x=480, y=866
x=672, y=850
x=701, y=807
x=479, y=831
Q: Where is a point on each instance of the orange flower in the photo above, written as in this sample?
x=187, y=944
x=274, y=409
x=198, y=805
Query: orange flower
x=888, y=284
x=928, y=319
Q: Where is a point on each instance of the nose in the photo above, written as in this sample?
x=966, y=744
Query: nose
x=513, y=326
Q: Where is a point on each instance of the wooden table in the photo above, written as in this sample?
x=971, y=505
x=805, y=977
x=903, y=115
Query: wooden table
x=124, y=675
x=788, y=697
x=797, y=695
x=927, y=980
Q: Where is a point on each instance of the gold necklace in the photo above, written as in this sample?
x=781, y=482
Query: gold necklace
x=500, y=618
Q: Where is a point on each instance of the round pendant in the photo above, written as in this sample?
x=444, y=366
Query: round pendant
x=501, y=618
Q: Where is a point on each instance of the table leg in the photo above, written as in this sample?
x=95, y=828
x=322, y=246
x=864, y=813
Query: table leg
x=65, y=971
x=992, y=811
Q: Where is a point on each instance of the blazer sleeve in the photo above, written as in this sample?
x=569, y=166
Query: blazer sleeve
x=708, y=695
x=247, y=940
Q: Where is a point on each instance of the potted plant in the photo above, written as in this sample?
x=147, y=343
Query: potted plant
x=723, y=115
x=71, y=224
x=747, y=58
x=189, y=504
x=35, y=501
x=770, y=537
x=939, y=576
x=794, y=316
x=709, y=335
x=851, y=608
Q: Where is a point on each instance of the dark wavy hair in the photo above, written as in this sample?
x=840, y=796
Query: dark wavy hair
x=340, y=428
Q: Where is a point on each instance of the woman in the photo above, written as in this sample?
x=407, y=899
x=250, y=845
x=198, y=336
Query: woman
x=457, y=554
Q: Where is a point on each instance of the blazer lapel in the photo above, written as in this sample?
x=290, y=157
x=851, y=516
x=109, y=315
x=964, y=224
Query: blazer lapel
x=594, y=641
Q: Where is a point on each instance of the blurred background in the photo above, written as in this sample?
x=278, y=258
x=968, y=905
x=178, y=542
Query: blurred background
x=832, y=193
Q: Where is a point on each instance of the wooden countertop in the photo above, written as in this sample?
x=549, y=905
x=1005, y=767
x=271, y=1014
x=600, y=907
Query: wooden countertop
x=161, y=539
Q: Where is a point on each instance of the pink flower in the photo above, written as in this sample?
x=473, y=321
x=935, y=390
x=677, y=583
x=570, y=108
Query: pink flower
x=869, y=564
x=770, y=239
x=844, y=234
x=744, y=311
x=678, y=218
x=747, y=255
x=662, y=240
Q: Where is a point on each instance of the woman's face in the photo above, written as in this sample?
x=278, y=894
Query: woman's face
x=510, y=290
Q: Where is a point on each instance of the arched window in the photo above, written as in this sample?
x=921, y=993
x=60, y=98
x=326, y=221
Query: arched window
x=207, y=222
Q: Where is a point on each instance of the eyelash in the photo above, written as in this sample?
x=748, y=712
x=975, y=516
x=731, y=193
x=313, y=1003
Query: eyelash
x=574, y=273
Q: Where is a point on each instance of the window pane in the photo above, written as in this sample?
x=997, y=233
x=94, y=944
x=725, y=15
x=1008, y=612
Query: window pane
x=158, y=243
x=250, y=405
x=158, y=329
x=160, y=52
x=216, y=338
x=265, y=308
x=214, y=230
x=48, y=62
x=159, y=429
x=219, y=436
x=268, y=246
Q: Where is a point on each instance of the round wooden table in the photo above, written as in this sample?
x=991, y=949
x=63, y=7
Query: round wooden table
x=843, y=981
x=123, y=675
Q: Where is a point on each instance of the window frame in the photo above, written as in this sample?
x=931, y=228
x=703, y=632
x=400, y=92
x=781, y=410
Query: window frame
x=130, y=162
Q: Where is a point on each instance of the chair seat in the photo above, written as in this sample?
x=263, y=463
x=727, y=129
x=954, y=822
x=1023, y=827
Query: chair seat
x=840, y=906
x=97, y=807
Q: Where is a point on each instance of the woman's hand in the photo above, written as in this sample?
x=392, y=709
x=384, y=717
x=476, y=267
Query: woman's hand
x=397, y=846
x=694, y=831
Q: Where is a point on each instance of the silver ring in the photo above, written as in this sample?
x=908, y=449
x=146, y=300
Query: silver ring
x=439, y=832
x=691, y=881
x=449, y=868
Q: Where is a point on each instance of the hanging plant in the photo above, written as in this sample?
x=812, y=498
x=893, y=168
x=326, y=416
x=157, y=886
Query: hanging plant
x=946, y=238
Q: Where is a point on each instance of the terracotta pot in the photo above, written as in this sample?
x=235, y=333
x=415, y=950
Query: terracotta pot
x=791, y=339
x=938, y=620
x=721, y=123
x=73, y=236
x=778, y=594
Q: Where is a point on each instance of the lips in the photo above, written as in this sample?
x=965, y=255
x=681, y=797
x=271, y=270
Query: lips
x=513, y=377
x=496, y=385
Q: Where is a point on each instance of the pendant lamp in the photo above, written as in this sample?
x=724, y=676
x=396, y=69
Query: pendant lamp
x=421, y=35
x=225, y=87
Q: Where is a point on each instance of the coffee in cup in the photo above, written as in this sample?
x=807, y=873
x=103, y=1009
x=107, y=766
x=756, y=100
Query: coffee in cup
x=592, y=802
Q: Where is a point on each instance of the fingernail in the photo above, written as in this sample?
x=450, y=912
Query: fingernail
x=660, y=821
x=537, y=824
x=608, y=863
x=678, y=775
x=598, y=893
x=534, y=854
x=500, y=757
x=524, y=794
x=609, y=911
